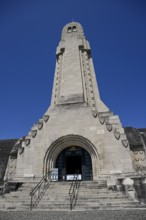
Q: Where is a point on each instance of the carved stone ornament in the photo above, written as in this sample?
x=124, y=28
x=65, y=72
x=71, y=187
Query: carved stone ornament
x=117, y=134
x=21, y=149
x=40, y=125
x=101, y=119
x=46, y=118
x=138, y=181
x=125, y=143
x=137, y=158
x=27, y=142
x=109, y=127
x=33, y=133
x=94, y=113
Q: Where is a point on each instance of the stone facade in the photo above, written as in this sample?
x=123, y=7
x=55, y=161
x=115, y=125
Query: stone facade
x=5, y=149
x=76, y=117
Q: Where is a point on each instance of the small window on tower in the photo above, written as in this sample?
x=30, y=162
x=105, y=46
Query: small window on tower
x=69, y=29
x=74, y=28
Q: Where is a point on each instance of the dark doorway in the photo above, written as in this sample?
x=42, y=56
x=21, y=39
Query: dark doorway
x=72, y=159
x=73, y=164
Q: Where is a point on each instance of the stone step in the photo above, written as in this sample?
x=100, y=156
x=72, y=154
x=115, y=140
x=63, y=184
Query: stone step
x=102, y=195
x=88, y=206
x=92, y=195
x=82, y=197
x=78, y=207
x=75, y=215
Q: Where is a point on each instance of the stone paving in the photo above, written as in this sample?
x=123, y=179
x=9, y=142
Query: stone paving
x=74, y=215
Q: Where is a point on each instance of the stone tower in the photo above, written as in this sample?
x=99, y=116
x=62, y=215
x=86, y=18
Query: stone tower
x=78, y=131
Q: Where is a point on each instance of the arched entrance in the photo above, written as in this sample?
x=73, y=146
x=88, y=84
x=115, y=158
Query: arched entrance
x=85, y=155
x=74, y=159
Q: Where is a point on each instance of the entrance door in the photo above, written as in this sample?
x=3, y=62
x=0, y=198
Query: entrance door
x=73, y=164
x=72, y=159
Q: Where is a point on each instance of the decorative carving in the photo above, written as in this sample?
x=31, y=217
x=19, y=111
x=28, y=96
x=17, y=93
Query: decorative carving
x=33, y=133
x=88, y=80
x=109, y=127
x=125, y=143
x=27, y=142
x=58, y=78
x=117, y=134
x=139, y=161
x=68, y=140
x=94, y=113
x=46, y=118
x=40, y=125
x=73, y=148
x=21, y=149
x=137, y=181
x=101, y=119
x=136, y=152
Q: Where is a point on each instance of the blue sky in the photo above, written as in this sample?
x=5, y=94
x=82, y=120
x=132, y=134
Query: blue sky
x=29, y=33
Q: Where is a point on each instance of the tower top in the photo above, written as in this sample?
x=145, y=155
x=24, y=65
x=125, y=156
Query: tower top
x=71, y=29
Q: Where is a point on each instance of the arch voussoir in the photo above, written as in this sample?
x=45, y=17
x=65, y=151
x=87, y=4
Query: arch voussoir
x=63, y=142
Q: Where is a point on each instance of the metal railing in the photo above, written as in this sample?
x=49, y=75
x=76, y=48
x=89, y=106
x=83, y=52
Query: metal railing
x=73, y=192
x=38, y=191
x=4, y=189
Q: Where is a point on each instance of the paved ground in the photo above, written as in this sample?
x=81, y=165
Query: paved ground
x=74, y=215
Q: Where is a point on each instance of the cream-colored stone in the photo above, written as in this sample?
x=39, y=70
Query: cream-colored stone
x=71, y=117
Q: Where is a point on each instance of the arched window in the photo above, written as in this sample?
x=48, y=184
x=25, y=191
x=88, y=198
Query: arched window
x=74, y=28
x=69, y=29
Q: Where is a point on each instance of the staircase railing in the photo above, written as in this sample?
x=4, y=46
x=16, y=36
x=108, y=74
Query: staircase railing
x=73, y=192
x=39, y=190
x=4, y=189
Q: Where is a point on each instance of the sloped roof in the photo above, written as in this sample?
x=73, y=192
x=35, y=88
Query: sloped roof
x=136, y=137
x=6, y=145
x=143, y=133
x=15, y=147
x=5, y=149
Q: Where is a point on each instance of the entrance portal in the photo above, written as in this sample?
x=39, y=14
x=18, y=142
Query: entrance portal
x=73, y=164
x=72, y=160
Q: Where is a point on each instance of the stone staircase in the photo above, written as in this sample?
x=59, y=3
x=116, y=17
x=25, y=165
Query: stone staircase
x=92, y=195
x=56, y=197
x=17, y=200
x=95, y=195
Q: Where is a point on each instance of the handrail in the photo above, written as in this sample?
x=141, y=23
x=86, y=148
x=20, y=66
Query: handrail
x=73, y=192
x=4, y=189
x=39, y=190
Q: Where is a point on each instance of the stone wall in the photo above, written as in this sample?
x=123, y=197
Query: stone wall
x=5, y=149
